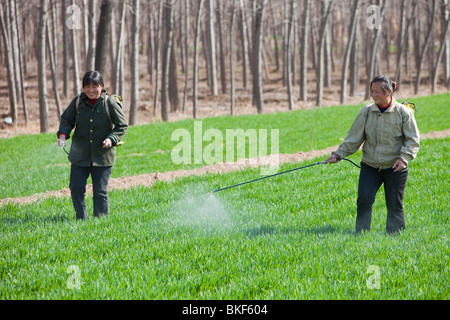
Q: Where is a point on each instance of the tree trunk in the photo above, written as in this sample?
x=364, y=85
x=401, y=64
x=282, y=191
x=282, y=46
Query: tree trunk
x=22, y=85
x=135, y=65
x=256, y=53
x=442, y=47
x=42, y=80
x=166, y=61
x=304, y=53
x=173, y=79
x=355, y=62
x=244, y=43
x=354, y=22
x=151, y=47
x=424, y=48
x=103, y=33
x=288, y=60
x=212, y=49
x=374, y=51
x=320, y=72
x=51, y=54
x=197, y=36
x=66, y=45
x=15, y=53
x=91, y=41
x=158, y=54
x=76, y=60
x=403, y=40
x=275, y=39
x=223, y=77
x=9, y=62
x=232, y=59
x=118, y=61
x=186, y=55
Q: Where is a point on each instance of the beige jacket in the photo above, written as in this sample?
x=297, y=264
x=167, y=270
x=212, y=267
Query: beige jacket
x=387, y=136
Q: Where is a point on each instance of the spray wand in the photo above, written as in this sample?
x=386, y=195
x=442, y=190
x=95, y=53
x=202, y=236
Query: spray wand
x=279, y=173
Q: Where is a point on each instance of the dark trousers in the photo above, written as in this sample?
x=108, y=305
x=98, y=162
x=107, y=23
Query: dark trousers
x=100, y=178
x=370, y=180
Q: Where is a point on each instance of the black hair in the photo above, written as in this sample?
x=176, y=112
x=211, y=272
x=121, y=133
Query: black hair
x=93, y=77
x=386, y=83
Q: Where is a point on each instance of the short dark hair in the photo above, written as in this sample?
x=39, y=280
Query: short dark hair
x=386, y=83
x=93, y=77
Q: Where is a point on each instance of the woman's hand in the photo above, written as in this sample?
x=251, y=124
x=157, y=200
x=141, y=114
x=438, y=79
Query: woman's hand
x=400, y=165
x=107, y=143
x=333, y=158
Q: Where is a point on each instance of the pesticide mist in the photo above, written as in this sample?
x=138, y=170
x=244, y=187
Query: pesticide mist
x=200, y=210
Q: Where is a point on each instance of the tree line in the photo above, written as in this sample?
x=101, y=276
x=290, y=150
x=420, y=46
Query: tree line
x=227, y=40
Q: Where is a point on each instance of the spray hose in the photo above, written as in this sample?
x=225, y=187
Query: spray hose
x=279, y=173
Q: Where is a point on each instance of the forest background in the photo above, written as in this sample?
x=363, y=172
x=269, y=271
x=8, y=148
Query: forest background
x=176, y=59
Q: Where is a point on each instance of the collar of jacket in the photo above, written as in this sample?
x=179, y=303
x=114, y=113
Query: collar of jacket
x=84, y=97
x=374, y=108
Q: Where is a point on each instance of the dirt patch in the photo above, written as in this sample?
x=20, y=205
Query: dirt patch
x=149, y=178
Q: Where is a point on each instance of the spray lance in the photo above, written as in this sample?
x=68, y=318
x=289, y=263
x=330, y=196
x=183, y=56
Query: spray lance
x=279, y=173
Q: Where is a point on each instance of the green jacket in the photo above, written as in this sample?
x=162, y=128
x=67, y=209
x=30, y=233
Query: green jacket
x=92, y=126
x=387, y=136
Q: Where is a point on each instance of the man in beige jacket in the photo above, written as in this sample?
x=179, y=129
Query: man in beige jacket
x=391, y=139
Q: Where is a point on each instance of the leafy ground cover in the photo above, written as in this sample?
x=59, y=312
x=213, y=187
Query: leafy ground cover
x=31, y=164
x=288, y=237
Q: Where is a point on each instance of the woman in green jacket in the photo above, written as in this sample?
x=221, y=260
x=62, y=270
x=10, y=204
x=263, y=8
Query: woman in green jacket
x=100, y=125
x=391, y=139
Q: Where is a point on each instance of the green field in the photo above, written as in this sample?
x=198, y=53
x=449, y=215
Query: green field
x=288, y=237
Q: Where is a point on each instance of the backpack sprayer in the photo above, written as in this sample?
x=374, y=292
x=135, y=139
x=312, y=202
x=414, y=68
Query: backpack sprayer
x=279, y=173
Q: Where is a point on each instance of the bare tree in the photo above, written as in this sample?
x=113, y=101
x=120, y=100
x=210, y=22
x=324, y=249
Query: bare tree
x=320, y=72
x=103, y=33
x=9, y=61
x=355, y=17
x=197, y=36
x=424, y=48
x=304, y=52
x=256, y=53
x=43, y=107
x=135, y=65
x=442, y=47
x=186, y=55
x=91, y=42
x=119, y=56
x=158, y=54
x=374, y=50
x=166, y=60
x=51, y=54
x=212, y=48
x=75, y=59
x=223, y=77
x=232, y=59
x=403, y=36
x=15, y=51
x=244, y=42
x=288, y=58
x=22, y=85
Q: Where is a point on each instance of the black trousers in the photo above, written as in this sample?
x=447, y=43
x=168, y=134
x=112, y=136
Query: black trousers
x=100, y=178
x=370, y=180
